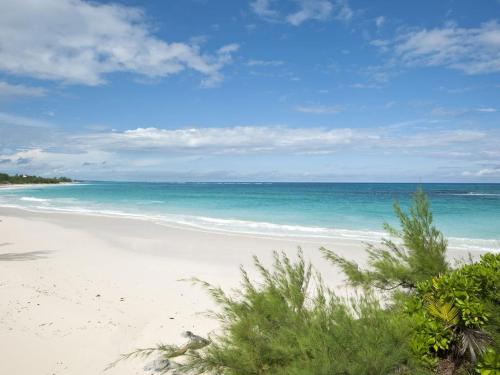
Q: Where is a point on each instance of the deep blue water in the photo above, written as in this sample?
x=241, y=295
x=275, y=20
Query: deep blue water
x=323, y=209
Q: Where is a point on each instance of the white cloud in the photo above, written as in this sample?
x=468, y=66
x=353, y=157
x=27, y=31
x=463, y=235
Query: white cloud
x=471, y=50
x=197, y=151
x=447, y=112
x=378, y=74
x=364, y=86
x=259, y=139
x=8, y=90
x=453, y=112
x=74, y=41
x=379, y=21
x=245, y=139
x=484, y=172
x=319, y=109
x=8, y=119
x=382, y=44
x=487, y=110
x=263, y=8
x=254, y=139
x=425, y=140
x=307, y=10
x=55, y=162
x=344, y=11
x=265, y=63
x=318, y=10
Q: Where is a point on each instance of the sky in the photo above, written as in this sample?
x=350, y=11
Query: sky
x=251, y=90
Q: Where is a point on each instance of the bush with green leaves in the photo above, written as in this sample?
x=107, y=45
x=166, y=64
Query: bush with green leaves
x=291, y=324
x=489, y=364
x=457, y=315
x=414, y=253
x=455, y=312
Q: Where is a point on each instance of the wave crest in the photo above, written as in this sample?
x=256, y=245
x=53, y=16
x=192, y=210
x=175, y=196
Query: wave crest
x=33, y=199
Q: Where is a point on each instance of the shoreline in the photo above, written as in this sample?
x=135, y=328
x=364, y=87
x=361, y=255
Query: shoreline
x=211, y=221
x=20, y=186
x=45, y=214
x=295, y=232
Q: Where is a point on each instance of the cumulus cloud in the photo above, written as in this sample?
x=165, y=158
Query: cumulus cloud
x=251, y=150
x=74, y=41
x=244, y=139
x=9, y=90
x=473, y=50
x=307, y=10
x=263, y=140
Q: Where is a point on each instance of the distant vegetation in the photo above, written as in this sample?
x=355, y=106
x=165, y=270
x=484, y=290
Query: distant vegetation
x=433, y=320
x=24, y=179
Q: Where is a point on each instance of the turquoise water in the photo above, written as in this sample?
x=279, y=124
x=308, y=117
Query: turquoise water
x=462, y=211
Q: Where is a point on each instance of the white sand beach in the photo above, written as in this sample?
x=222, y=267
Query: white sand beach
x=76, y=291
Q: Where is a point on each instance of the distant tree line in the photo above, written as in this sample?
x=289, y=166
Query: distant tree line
x=25, y=179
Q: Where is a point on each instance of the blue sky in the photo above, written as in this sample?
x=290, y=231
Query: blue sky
x=277, y=90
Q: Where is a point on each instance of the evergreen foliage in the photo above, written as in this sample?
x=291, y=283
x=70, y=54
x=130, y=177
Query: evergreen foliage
x=415, y=253
x=291, y=324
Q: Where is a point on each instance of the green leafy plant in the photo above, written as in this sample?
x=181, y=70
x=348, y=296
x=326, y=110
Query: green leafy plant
x=456, y=315
x=291, y=323
x=489, y=363
x=414, y=253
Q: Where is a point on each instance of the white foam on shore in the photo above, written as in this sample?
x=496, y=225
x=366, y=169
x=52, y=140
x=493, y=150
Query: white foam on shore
x=474, y=194
x=39, y=186
x=33, y=199
x=234, y=226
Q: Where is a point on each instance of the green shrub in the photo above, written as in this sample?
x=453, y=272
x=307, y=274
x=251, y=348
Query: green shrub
x=489, y=364
x=416, y=252
x=457, y=314
x=291, y=324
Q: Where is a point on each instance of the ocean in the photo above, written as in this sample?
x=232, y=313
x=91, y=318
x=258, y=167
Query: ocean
x=469, y=214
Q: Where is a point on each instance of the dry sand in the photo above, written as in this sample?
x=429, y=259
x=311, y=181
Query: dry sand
x=76, y=291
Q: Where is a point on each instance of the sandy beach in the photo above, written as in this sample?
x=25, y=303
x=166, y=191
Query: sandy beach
x=76, y=291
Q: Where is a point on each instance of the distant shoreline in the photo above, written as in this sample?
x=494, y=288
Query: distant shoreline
x=16, y=186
